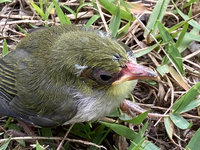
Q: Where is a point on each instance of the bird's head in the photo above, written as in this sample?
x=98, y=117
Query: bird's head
x=99, y=61
x=92, y=59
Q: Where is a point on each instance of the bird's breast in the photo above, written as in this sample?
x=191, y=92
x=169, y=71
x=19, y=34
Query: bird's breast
x=100, y=103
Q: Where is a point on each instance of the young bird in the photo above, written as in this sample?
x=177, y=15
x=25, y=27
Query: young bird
x=67, y=74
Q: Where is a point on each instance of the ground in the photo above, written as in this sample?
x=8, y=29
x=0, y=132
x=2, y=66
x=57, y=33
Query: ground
x=176, y=76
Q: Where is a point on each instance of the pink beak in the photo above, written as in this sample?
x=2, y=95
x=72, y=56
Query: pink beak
x=133, y=72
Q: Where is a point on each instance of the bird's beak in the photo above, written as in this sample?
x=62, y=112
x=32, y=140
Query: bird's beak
x=134, y=71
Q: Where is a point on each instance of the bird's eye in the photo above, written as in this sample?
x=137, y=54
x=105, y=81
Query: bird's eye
x=103, y=77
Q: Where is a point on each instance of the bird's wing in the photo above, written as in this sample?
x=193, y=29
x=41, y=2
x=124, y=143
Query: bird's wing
x=7, y=88
x=24, y=103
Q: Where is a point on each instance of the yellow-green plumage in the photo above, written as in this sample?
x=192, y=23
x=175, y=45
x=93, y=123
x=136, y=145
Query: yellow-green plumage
x=56, y=75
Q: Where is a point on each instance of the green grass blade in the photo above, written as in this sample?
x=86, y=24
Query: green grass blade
x=163, y=69
x=78, y=9
x=180, y=122
x=138, y=119
x=194, y=143
x=188, y=38
x=171, y=49
x=195, y=103
x=38, y=146
x=185, y=17
x=46, y=132
x=147, y=145
x=3, y=1
x=5, y=145
x=121, y=130
x=184, y=101
x=144, y=51
x=92, y=20
x=169, y=126
x=192, y=35
x=41, y=4
x=69, y=9
x=115, y=22
x=141, y=133
x=22, y=30
x=122, y=31
x=5, y=47
x=183, y=31
x=47, y=12
x=63, y=18
x=38, y=10
x=137, y=146
x=110, y=7
x=157, y=15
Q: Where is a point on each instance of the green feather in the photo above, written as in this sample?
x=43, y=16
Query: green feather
x=45, y=75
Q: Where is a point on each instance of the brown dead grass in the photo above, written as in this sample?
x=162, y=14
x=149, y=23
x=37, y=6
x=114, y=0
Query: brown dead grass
x=156, y=98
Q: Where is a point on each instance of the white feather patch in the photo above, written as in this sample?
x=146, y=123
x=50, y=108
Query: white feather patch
x=80, y=69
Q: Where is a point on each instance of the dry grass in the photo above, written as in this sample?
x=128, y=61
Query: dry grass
x=157, y=98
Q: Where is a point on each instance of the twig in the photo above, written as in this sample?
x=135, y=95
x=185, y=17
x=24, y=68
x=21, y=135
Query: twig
x=54, y=138
x=61, y=143
x=8, y=18
x=102, y=17
x=172, y=100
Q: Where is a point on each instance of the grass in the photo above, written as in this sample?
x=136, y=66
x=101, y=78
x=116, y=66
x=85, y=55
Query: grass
x=161, y=40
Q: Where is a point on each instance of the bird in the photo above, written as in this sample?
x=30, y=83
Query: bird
x=67, y=74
